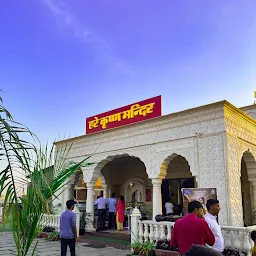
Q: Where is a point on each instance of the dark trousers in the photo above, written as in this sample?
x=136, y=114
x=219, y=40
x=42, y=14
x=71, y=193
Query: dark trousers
x=111, y=219
x=64, y=246
x=101, y=215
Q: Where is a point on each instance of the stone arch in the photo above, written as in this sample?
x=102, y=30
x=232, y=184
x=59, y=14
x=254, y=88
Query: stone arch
x=158, y=158
x=94, y=172
x=165, y=163
x=247, y=180
x=250, y=162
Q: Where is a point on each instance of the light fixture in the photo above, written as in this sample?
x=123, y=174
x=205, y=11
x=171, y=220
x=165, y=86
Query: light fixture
x=131, y=184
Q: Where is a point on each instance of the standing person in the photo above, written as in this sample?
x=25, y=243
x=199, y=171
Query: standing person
x=120, y=208
x=169, y=207
x=111, y=210
x=191, y=229
x=101, y=205
x=68, y=232
x=213, y=208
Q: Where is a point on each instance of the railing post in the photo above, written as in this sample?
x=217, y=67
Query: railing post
x=78, y=214
x=237, y=244
x=162, y=232
x=146, y=233
x=157, y=235
x=135, y=216
x=151, y=234
x=247, y=245
x=169, y=232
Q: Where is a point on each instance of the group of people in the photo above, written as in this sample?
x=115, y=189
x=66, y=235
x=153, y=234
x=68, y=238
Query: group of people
x=199, y=229
x=68, y=230
x=193, y=234
x=115, y=208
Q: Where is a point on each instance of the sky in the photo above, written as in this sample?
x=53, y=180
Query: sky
x=64, y=60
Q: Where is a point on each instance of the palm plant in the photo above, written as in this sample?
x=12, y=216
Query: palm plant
x=43, y=172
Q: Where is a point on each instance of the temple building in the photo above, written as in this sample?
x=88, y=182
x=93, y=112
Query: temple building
x=211, y=146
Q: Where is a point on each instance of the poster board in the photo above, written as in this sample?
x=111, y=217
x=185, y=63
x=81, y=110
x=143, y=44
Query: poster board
x=198, y=194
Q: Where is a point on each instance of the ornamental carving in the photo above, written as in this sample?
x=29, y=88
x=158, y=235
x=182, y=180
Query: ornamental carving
x=212, y=170
x=91, y=174
x=240, y=125
x=88, y=174
x=163, y=152
x=234, y=182
x=208, y=120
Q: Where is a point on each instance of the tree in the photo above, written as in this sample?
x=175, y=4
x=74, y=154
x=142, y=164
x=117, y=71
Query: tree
x=25, y=165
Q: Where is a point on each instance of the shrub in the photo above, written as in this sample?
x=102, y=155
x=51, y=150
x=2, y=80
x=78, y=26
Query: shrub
x=53, y=236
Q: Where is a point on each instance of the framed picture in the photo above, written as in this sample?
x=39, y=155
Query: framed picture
x=199, y=194
x=148, y=194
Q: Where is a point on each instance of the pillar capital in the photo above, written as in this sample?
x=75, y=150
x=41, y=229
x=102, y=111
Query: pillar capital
x=156, y=182
x=88, y=173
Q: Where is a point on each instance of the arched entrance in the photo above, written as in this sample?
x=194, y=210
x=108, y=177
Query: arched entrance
x=177, y=175
x=248, y=175
x=126, y=175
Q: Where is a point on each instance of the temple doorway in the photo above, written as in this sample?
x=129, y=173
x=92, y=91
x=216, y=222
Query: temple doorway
x=178, y=176
x=248, y=170
x=126, y=175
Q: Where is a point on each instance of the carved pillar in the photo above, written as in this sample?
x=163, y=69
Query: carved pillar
x=105, y=191
x=65, y=196
x=157, y=197
x=234, y=183
x=90, y=207
x=213, y=171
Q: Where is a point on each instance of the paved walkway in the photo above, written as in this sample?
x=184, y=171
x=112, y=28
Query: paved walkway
x=47, y=248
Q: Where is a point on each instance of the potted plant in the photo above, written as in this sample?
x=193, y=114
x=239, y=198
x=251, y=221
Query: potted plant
x=147, y=249
x=163, y=248
x=136, y=247
x=54, y=236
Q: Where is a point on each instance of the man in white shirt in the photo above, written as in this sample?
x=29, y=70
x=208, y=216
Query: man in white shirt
x=111, y=210
x=101, y=204
x=213, y=208
x=169, y=207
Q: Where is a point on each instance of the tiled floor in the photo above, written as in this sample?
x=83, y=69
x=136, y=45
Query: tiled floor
x=47, y=248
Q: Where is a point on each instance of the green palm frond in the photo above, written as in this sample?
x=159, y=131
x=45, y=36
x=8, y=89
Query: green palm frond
x=42, y=171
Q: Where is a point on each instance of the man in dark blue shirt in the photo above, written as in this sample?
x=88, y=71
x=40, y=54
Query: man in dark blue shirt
x=68, y=232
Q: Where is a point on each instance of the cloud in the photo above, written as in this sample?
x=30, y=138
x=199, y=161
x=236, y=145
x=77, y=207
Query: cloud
x=105, y=54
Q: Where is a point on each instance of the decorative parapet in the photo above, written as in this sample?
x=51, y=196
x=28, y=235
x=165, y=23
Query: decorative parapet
x=240, y=124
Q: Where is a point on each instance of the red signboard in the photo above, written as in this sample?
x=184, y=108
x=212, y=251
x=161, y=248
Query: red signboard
x=133, y=113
